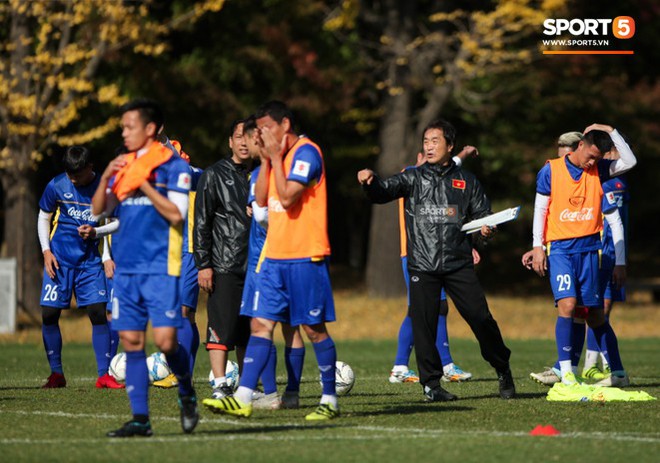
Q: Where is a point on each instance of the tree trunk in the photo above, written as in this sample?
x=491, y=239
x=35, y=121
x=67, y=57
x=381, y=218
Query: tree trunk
x=384, y=275
x=21, y=241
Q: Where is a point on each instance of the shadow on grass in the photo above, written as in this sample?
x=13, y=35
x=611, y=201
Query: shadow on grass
x=242, y=430
x=19, y=388
x=495, y=395
x=413, y=409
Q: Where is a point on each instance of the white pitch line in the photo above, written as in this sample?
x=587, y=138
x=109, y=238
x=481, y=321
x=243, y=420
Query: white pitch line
x=379, y=432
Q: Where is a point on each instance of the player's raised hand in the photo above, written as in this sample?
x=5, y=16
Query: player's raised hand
x=87, y=232
x=527, y=260
x=114, y=166
x=421, y=159
x=539, y=261
x=205, y=279
x=50, y=263
x=273, y=149
x=468, y=151
x=365, y=176
x=603, y=127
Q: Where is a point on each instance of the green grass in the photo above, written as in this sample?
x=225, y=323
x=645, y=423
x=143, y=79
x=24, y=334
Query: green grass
x=380, y=421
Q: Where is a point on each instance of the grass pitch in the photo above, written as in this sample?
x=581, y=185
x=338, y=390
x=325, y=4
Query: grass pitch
x=380, y=421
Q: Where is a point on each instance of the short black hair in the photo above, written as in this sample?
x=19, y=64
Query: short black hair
x=277, y=111
x=234, y=125
x=150, y=111
x=601, y=139
x=76, y=158
x=250, y=124
x=448, y=130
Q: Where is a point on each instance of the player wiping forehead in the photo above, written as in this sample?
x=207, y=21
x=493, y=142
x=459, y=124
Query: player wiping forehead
x=567, y=214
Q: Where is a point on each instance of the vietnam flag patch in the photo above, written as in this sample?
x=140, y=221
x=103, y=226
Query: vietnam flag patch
x=460, y=184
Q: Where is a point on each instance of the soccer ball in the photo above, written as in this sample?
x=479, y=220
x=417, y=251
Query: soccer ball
x=118, y=367
x=344, y=378
x=158, y=367
x=231, y=373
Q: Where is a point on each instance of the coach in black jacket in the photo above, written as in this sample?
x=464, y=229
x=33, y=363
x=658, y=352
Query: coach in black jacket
x=220, y=242
x=439, y=198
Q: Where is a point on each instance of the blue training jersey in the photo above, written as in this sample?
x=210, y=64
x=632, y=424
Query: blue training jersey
x=584, y=243
x=615, y=192
x=72, y=207
x=257, y=232
x=146, y=242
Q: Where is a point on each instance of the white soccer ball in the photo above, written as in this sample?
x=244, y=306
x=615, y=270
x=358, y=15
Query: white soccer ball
x=344, y=378
x=231, y=373
x=118, y=367
x=158, y=367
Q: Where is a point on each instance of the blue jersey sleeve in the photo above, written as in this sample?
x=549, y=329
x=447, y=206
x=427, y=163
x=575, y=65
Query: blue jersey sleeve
x=179, y=178
x=253, y=184
x=48, y=201
x=307, y=165
x=543, y=181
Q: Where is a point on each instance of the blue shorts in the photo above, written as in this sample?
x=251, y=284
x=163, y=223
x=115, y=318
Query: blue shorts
x=249, y=290
x=139, y=298
x=576, y=275
x=606, y=286
x=110, y=284
x=406, y=278
x=297, y=293
x=189, y=283
x=88, y=284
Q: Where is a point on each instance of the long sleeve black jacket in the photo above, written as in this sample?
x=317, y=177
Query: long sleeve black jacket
x=222, y=226
x=438, y=200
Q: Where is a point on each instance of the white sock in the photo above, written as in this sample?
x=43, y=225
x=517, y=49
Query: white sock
x=219, y=380
x=400, y=368
x=447, y=368
x=330, y=399
x=244, y=394
x=591, y=359
x=565, y=367
x=604, y=360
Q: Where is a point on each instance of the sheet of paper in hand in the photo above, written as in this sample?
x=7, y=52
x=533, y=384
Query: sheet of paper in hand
x=506, y=215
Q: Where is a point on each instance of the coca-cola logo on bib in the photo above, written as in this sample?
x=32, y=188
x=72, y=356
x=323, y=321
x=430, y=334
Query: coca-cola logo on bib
x=583, y=215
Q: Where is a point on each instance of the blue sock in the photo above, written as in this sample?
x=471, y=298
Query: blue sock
x=609, y=346
x=194, y=346
x=564, y=338
x=179, y=362
x=442, y=341
x=268, y=375
x=405, y=345
x=114, y=340
x=579, y=333
x=294, y=358
x=137, y=382
x=186, y=337
x=256, y=357
x=53, y=344
x=101, y=344
x=592, y=342
x=326, y=357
